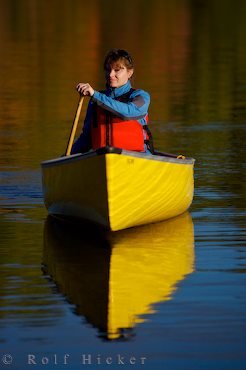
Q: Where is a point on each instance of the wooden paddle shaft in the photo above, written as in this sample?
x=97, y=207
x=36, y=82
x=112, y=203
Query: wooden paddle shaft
x=74, y=127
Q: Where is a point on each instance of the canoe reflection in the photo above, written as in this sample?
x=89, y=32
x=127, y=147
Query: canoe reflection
x=114, y=279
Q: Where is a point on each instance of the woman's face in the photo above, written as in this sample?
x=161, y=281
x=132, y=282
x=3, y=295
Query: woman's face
x=117, y=74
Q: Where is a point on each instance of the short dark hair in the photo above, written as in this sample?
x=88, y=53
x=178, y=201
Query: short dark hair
x=116, y=55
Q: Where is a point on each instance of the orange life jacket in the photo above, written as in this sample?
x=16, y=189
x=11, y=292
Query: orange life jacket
x=108, y=129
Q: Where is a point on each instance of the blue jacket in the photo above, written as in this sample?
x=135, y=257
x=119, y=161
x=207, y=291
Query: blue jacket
x=136, y=108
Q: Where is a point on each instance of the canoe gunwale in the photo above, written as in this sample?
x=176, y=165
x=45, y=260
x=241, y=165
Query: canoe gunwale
x=158, y=156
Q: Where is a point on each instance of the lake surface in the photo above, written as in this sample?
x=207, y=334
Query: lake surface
x=165, y=296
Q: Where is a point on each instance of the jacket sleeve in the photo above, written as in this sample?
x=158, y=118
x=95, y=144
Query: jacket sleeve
x=136, y=108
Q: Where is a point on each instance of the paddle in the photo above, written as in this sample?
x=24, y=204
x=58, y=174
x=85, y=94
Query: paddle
x=75, y=124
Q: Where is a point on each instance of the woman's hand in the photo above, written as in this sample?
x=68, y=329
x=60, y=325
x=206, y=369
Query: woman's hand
x=85, y=89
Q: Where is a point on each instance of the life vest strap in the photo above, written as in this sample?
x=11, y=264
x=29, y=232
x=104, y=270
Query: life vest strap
x=149, y=141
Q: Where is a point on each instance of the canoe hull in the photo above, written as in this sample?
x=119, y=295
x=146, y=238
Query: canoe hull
x=118, y=189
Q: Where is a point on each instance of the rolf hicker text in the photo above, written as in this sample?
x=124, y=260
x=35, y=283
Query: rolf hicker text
x=85, y=359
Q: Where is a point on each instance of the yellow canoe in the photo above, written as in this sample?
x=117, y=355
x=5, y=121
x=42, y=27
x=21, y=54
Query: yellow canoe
x=115, y=281
x=117, y=188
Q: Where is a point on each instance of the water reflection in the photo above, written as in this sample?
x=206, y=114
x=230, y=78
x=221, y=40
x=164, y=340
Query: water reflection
x=115, y=279
x=195, y=73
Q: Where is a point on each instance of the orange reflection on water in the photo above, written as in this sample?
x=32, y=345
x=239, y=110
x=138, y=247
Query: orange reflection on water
x=192, y=65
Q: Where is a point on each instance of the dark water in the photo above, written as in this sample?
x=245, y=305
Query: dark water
x=166, y=296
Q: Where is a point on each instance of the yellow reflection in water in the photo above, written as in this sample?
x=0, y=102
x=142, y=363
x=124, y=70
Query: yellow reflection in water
x=115, y=279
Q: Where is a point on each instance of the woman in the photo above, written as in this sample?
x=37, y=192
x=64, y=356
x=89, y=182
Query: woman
x=117, y=116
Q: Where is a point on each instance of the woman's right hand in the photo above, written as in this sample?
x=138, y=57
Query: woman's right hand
x=85, y=89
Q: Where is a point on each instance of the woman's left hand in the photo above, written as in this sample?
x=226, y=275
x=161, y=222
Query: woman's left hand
x=85, y=89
